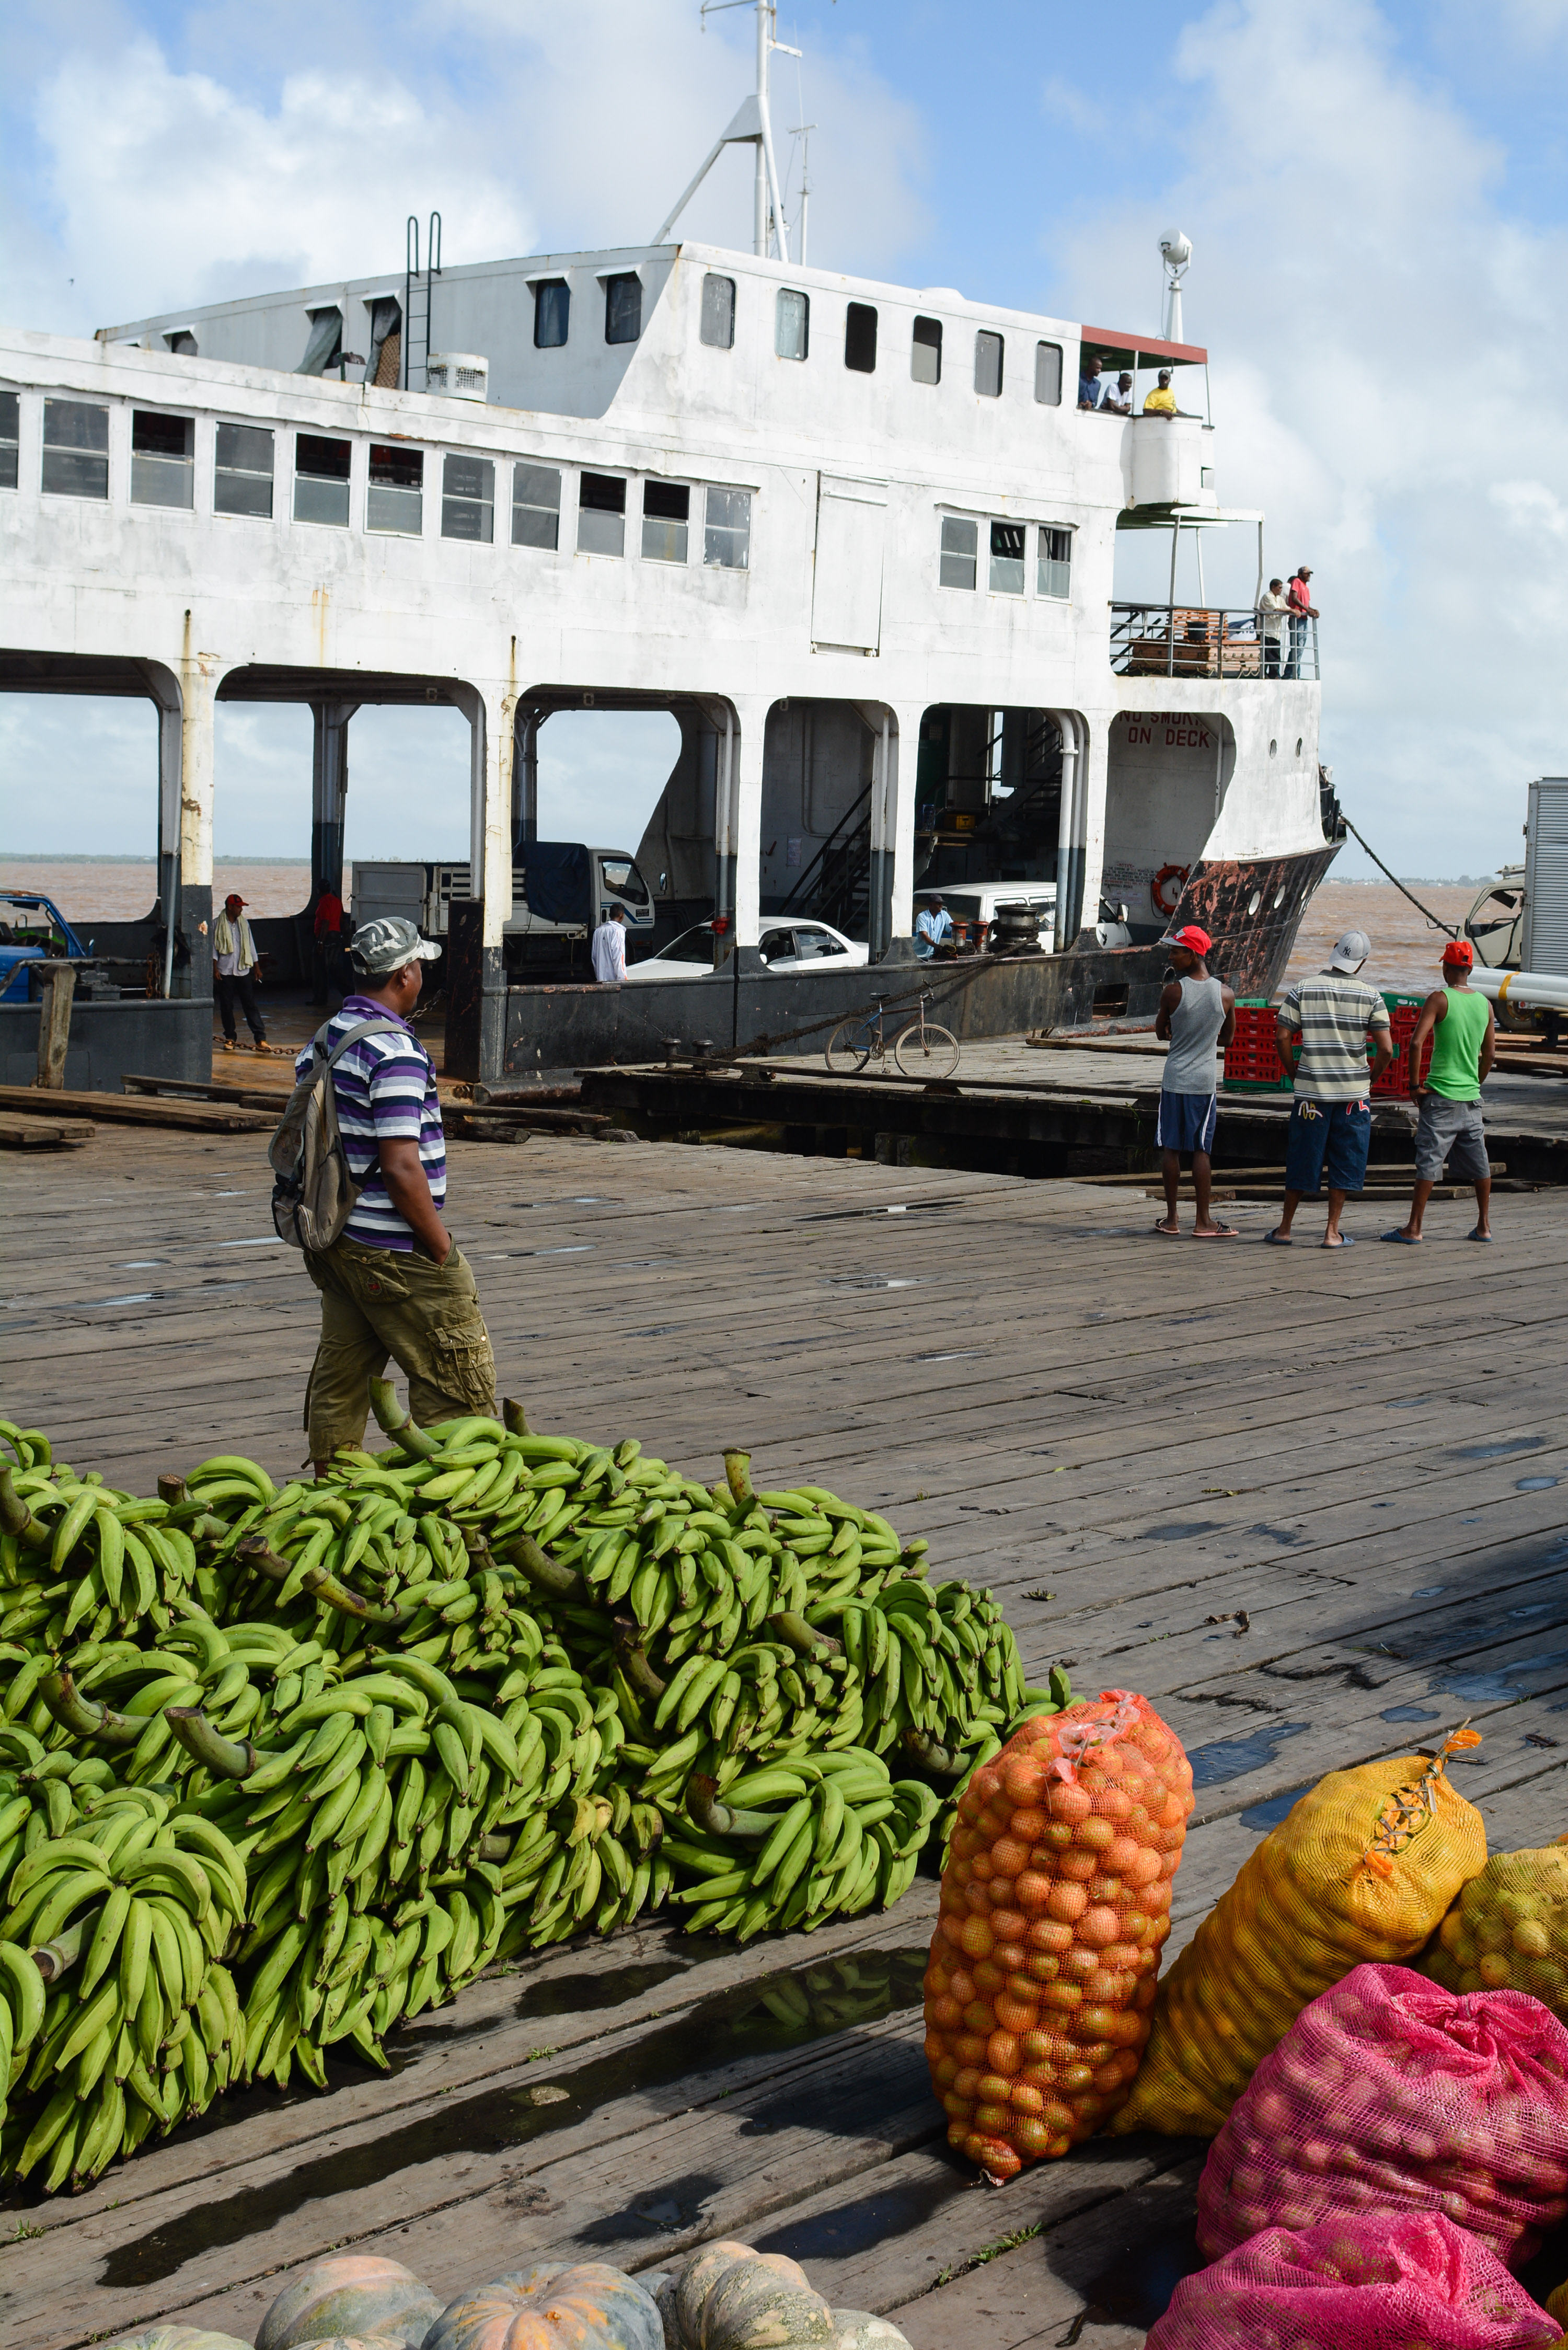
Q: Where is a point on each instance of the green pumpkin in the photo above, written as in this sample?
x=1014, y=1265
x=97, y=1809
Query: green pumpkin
x=729, y=2297
x=859, y=2330
x=351, y=2297
x=582, y=2305
x=175, y=2337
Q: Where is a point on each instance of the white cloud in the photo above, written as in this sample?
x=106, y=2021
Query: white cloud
x=1375, y=318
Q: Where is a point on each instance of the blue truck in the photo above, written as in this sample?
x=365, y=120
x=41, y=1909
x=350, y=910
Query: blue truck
x=31, y=929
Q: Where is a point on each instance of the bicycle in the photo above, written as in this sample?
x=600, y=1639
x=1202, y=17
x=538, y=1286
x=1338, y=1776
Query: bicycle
x=921, y=1050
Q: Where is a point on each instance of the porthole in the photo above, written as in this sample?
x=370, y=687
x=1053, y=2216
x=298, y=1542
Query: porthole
x=1272, y=748
x=1254, y=902
x=1279, y=899
x=1298, y=746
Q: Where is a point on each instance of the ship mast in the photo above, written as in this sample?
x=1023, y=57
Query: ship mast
x=751, y=127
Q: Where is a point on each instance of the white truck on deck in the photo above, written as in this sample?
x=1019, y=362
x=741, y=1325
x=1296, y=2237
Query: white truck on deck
x=561, y=890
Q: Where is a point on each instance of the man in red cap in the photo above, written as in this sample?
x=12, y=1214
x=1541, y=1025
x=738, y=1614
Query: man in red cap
x=235, y=974
x=1459, y=1019
x=1197, y=1013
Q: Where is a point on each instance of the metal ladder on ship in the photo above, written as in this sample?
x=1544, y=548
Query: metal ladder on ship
x=417, y=290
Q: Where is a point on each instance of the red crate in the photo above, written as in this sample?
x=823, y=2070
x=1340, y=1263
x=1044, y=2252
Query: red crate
x=1252, y=1056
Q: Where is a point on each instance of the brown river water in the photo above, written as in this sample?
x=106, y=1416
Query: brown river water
x=1404, y=949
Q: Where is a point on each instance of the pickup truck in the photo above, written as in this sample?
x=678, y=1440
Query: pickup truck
x=31, y=928
x=561, y=891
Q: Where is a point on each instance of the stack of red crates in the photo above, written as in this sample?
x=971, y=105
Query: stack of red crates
x=1252, y=1056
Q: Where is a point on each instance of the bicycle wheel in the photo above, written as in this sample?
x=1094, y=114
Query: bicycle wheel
x=931, y=1053
x=850, y=1047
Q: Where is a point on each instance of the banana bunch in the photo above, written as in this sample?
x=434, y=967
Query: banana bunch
x=849, y=1836
x=126, y=1920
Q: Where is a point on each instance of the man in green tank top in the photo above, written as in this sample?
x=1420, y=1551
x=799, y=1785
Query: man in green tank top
x=1459, y=1021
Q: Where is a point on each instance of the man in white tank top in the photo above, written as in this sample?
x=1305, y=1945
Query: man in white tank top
x=1197, y=1013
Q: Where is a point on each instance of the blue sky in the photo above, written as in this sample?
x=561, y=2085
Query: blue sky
x=1376, y=196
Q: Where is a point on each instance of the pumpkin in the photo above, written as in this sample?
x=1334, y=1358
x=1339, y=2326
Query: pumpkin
x=175, y=2337
x=349, y=2296
x=345, y=2342
x=583, y=2305
x=729, y=2297
x=859, y=2330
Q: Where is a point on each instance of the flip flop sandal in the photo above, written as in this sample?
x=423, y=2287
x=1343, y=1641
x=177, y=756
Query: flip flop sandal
x=1345, y=1240
x=1278, y=1240
x=1405, y=1240
x=1220, y=1232
x=1164, y=1233
x=1485, y=1237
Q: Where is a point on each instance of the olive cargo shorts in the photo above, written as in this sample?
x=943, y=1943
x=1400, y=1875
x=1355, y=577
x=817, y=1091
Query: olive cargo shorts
x=377, y=1302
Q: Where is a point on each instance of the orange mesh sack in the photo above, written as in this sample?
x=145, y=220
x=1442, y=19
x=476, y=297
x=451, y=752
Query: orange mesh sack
x=1055, y=1902
x=1362, y=1868
x=1509, y=1929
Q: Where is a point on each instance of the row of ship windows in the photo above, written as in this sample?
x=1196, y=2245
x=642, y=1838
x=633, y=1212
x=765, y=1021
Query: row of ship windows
x=162, y=473
x=791, y=340
x=1008, y=557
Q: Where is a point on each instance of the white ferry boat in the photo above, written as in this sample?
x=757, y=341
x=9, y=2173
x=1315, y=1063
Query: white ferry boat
x=858, y=538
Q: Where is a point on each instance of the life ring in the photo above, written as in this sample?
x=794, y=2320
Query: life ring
x=1176, y=873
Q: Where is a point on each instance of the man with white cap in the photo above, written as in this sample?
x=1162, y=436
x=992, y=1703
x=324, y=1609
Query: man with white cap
x=394, y=1283
x=1324, y=1026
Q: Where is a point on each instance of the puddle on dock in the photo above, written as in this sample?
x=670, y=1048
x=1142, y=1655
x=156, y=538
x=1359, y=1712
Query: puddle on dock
x=1264, y=1816
x=1232, y=1758
x=1534, y=1484
x=1409, y=1713
x=1493, y=1688
x=1496, y=1451
x=772, y=2015
x=1184, y=1530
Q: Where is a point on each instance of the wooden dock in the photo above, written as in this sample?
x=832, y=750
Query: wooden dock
x=1129, y=1442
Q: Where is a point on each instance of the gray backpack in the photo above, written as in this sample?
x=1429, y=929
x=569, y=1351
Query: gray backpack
x=314, y=1194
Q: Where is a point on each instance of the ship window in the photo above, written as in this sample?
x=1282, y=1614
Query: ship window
x=791, y=324
x=10, y=433
x=623, y=308
x=860, y=339
x=727, y=540
x=182, y=342
x=242, y=478
x=718, y=327
x=1007, y=558
x=601, y=515
x=162, y=462
x=326, y=344
x=988, y=364
x=394, y=499
x=1048, y=374
x=76, y=448
x=468, y=498
x=926, y=351
x=666, y=512
x=535, y=506
x=552, y=312
x=961, y=550
x=321, y=480
x=1055, y=577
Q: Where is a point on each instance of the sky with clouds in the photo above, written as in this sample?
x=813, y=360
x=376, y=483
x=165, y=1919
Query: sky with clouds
x=1377, y=197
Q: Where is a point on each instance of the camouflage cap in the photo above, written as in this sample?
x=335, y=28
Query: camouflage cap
x=380, y=948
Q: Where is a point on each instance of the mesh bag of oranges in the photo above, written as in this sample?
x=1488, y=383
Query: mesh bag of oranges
x=1380, y=2280
x=1509, y=1929
x=1055, y=1902
x=1389, y=2093
x=1362, y=1868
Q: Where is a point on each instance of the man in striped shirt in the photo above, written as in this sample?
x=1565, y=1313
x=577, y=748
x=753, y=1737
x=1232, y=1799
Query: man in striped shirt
x=395, y=1282
x=1324, y=1026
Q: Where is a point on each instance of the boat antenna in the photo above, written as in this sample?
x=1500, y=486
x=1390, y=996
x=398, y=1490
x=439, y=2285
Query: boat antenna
x=803, y=131
x=752, y=127
x=1176, y=252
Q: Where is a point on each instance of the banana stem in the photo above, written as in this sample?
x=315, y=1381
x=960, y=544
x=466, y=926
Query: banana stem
x=939, y=1759
x=16, y=1517
x=738, y=1469
x=171, y=1488
x=495, y=1847
x=399, y=1424
x=560, y=1582
x=798, y=1633
x=717, y=1819
x=57, y=1957
x=633, y=1658
x=83, y=1716
x=256, y=1551
x=516, y=1419
x=229, y=1758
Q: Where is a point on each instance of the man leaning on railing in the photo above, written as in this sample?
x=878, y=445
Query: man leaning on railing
x=1272, y=609
x=1298, y=595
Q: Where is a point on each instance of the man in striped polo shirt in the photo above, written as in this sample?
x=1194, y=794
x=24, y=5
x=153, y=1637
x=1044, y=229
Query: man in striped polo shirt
x=395, y=1282
x=1324, y=1026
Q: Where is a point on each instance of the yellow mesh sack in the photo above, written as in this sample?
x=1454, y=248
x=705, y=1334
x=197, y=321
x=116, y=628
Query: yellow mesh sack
x=1508, y=1930
x=1364, y=1867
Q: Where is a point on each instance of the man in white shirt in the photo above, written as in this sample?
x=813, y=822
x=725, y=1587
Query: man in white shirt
x=235, y=974
x=933, y=927
x=1273, y=607
x=610, y=947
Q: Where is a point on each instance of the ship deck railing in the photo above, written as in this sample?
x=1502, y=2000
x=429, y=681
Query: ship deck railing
x=1208, y=640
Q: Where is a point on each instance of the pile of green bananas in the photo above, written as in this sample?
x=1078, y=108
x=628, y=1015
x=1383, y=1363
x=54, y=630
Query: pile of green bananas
x=280, y=1766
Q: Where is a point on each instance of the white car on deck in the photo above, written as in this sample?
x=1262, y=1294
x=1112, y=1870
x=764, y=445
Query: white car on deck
x=788, y=943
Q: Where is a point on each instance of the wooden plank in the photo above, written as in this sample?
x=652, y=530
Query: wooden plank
x=130, y=1109
x=38, y=1134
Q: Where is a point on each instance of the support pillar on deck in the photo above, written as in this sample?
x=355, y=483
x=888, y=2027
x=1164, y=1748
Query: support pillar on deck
x=492, y=719
x=738, y=824
x=198, y=678
x=525, y=777
x=328, y=795
x=164, y=688
x=898, y=837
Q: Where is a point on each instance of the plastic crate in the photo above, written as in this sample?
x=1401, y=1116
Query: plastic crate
x=1252, y=1064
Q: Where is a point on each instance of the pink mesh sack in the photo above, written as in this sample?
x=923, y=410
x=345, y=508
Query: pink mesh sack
x=1383, y=2280
x=1389, y=2093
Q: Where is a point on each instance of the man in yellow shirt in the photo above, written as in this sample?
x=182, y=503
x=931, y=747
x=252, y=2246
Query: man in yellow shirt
x=1162, y=401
